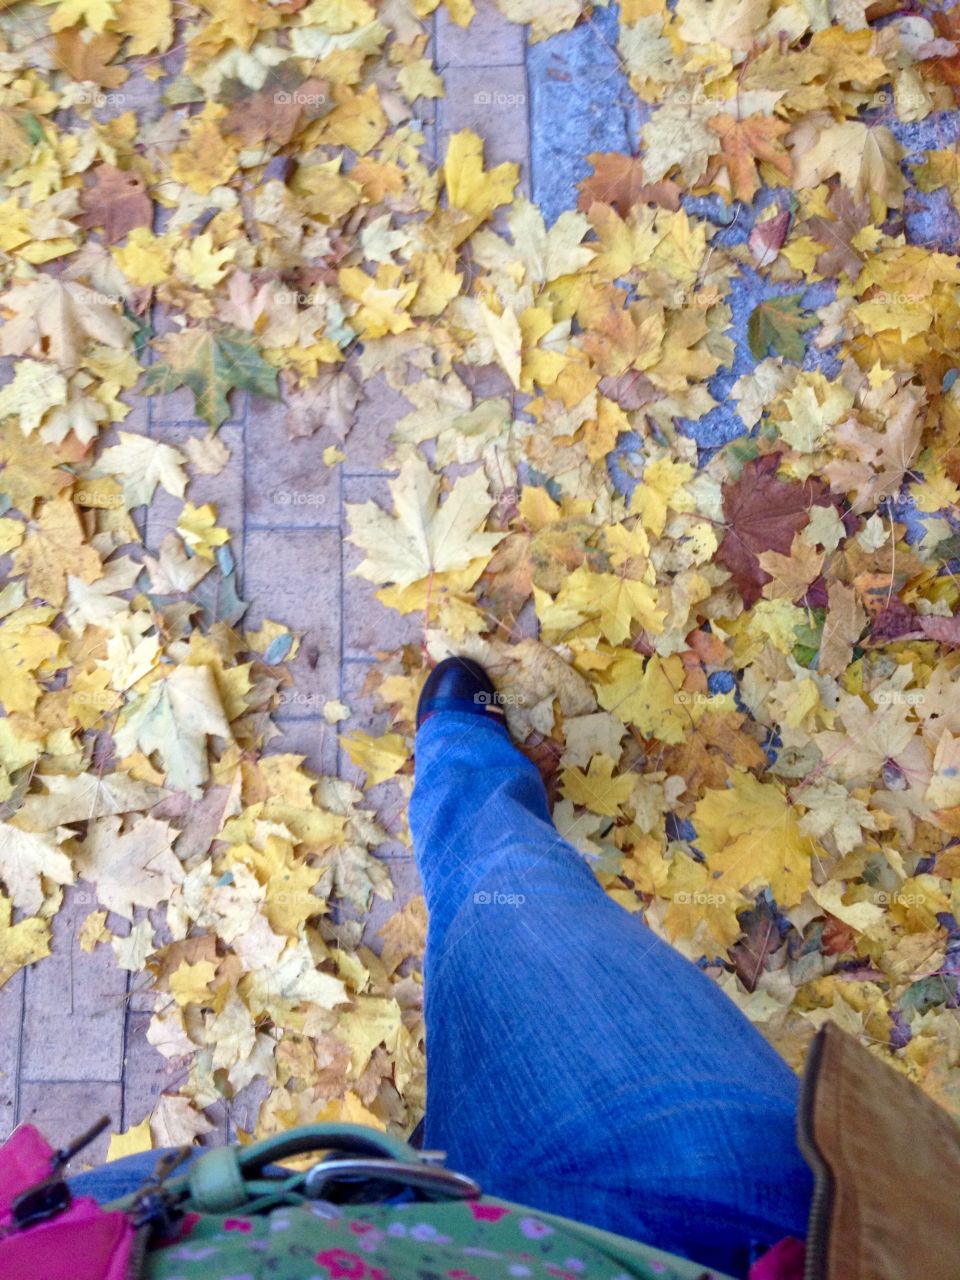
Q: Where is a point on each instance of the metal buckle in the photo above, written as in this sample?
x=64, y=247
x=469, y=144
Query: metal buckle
x=428, y=1178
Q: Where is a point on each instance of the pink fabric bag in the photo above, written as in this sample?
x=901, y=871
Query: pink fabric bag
x=785, y=1261
x=84, y=1242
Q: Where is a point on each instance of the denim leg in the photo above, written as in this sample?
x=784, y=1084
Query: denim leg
x=122, y=1177
x=577, y=1063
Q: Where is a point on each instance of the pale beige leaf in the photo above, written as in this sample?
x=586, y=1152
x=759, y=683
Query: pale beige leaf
x=424, y=536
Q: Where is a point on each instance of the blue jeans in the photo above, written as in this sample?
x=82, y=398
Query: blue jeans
x=577, y=1063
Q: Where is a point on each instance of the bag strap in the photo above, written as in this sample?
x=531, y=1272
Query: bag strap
x=225, y=1179
x=352, y=1139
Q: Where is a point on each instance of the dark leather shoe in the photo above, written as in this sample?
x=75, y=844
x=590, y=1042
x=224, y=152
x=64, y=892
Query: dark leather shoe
x=459, y=684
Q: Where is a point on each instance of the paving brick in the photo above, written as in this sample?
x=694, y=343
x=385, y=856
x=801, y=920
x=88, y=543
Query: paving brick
x=225, y=491
x=163, y=322
x=388, y=799
x=310, y=737
x=62, y=1110
x=74, y=1004
x=146, y=1073
x=368, y=626
x=366, y=712
x=428, y=151
x=240, y=1113
x=137, y=94
x=141, y=996
x=137, y=420
x=368, y=443
x=11, y=1019
x=293, y=576
x=490, y=40
x=406, y=885
x=287, y=481
x=492, y=101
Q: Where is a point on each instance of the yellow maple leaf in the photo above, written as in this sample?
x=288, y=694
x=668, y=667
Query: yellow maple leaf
x=145, y=259
x=289, y=882
x=173, y=717
x=55, y=548
x=27, y=644
x=504, y=333
x=201, y=264
x=197, y=526
x=380, y=758
x=94, y=14
x=27, y=859
x=349, y=1110
x=648, y=693
x=359, y=123
x=22, y=943
x=383, y=300
x=469, y=186
x=661, y=489
x=36, y=387
x=866, y=158
x=148, y=23
x=373, y=1020
x=614, y=600
x=131, y=1141
x=597, y=789
x=697, y=903
x=93, y=931
x=207, y=159
x=190, y=983
x=419, y=80
x=133, y=868
x=751, y=837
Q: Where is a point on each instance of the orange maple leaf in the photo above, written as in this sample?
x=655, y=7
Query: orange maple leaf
x=744, y=144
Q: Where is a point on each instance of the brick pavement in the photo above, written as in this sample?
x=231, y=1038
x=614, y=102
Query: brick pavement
x=72, y=1028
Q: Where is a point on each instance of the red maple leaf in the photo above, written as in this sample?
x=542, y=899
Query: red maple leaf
x=762, y=513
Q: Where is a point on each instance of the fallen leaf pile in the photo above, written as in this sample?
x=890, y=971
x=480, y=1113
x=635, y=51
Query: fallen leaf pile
x=737, y=666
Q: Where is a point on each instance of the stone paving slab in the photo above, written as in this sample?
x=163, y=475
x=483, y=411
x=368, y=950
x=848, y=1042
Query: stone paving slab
x=146, y=1073
x=293, y=576
x=11, y=1022
x=491, y=40
x=63, y=1109
x=287, y=482
x=492, y=101
x=225, y=491
x=74, y=1008
x=310, y=737
x=377, y=414
x=387, y=799
x=369, y=626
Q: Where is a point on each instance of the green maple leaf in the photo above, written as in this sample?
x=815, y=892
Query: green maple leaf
x=211, y=362
x=779, y=323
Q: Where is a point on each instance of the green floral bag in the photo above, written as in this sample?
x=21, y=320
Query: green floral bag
x=230, y=1218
